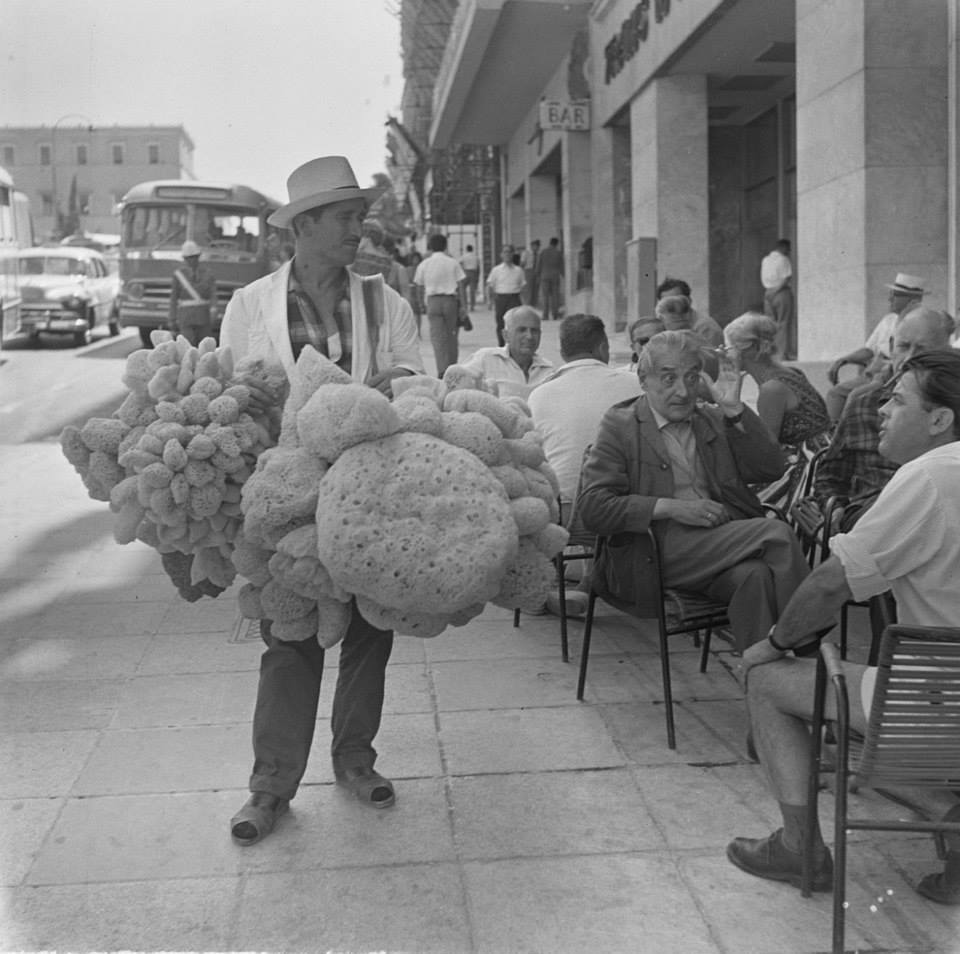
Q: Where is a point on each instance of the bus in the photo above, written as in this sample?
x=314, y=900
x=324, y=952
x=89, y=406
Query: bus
x=228, y=222
x=16, y=232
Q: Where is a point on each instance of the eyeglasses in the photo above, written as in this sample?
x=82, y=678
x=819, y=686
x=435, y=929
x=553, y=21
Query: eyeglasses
x=669, y=379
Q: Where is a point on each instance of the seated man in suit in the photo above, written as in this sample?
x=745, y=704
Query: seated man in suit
x=666, y=461
x=908, y=542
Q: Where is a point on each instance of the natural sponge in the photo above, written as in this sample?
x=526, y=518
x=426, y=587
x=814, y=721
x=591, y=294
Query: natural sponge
x=415, y=524
x=337, y=416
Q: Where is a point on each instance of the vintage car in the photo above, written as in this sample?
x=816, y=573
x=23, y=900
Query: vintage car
x=66, y=290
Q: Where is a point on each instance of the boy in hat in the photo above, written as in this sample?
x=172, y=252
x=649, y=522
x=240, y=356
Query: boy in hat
x=193, y=297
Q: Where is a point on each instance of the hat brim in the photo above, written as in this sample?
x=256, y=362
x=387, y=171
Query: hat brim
x=284, y=215
x=905, y=290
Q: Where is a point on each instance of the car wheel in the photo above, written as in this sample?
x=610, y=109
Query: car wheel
x=81, y=338
x=113, y=327
x=145, y=337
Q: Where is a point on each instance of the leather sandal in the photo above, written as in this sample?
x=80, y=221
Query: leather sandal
x=367, y=785
x=257, y=818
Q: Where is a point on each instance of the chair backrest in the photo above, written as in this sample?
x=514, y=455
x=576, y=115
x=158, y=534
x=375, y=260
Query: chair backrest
x=913, y=733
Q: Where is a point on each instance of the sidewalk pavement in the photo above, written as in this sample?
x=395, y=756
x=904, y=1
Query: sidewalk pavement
x=525, y=821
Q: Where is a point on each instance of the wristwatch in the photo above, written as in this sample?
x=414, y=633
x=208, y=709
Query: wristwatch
x=733, y=421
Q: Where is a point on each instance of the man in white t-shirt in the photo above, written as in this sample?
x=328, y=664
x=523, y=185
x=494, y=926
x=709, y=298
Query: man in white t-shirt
x=442, y=282
x=470, y=263
x=906, y=293
x=908, y=542
x=504, y=284
x=567, y=409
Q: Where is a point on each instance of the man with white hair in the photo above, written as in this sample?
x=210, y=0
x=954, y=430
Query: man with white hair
x=667, y=462
x=517, y=367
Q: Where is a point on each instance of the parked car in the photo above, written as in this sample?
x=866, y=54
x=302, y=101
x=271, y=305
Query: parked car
x=67, y=290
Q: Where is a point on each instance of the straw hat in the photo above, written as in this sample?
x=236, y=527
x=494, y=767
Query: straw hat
x=320, y=182
x=908, y=284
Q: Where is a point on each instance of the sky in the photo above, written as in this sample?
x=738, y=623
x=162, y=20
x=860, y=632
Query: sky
x=259, y=85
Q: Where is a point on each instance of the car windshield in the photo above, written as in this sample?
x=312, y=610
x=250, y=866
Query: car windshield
x=53, y=265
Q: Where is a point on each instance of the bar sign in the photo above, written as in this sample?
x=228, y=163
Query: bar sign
x=570, y=115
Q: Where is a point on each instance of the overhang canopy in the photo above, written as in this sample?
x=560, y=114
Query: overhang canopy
x=499, y=57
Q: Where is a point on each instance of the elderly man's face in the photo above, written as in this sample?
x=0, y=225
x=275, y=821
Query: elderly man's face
x=672, y=384
x=905, y=422
x=334, y=237
x=911, y=337
x=522, y=334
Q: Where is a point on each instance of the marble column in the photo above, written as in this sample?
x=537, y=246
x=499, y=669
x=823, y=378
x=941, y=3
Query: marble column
x=872, y=148
x=668, y=131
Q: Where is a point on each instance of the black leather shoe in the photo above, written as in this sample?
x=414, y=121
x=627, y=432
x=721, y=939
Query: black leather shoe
x=769, y=858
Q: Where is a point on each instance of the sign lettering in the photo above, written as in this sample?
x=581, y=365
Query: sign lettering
x=633, y=32
x=573, y=115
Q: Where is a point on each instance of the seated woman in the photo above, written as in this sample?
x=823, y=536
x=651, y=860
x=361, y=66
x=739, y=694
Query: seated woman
x=787, y=402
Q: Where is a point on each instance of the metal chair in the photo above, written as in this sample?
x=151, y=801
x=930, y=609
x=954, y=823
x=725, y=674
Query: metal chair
x=585, y=542
x=913, y=739
x=676, y=612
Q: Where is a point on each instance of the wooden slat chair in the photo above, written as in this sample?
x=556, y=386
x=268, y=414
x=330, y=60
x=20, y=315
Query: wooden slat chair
x=676, y=612
x=912, y=740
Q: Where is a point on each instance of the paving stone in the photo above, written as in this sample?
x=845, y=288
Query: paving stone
x=50, y=705
x=490, y=683
x=104, y=657
x=509, y=816
x=525, y=740
x=163, y=915
x=414, y=908
x=617, y=904
x=24, y=824
x=43, y=764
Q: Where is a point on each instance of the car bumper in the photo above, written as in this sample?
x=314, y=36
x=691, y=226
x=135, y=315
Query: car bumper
x=51, y=319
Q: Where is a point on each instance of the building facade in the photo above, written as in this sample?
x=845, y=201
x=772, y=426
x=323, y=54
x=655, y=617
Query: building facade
x=685, y=137
x=75, y=175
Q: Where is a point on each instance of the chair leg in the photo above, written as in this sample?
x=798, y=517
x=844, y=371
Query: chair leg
x=840, y=840
x=516, y=618
x=562, y=588
x=705, y=650
x=844, y=610
x=667, y=687
x=585, y=648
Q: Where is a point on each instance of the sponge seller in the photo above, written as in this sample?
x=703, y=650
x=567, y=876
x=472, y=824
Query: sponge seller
x=369, y=331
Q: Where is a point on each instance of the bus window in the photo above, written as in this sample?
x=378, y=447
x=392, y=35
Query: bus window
x=155, y=226
x=227, y=228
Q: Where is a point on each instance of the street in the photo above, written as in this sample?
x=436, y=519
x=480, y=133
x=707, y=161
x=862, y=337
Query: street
x=48, y=384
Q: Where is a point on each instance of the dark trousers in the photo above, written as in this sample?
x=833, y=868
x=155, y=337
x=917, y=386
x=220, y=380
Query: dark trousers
x=442, y=313
x=550, y=297
x=753, y=565
x=473, y=282
x=501, y=305
x=286, y=711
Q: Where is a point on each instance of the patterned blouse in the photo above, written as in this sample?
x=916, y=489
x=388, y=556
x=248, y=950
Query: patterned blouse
x=810, y=417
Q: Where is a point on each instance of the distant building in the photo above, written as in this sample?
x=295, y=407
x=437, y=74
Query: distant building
x=104, y=161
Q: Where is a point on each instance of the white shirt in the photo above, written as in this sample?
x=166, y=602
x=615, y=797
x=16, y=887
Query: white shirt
x=909, y=541
x=506, y=279
x=567, y=408
x=498, y=369
x=470, y=262
x=439, y=274
x=775, y=269
x=879, y=340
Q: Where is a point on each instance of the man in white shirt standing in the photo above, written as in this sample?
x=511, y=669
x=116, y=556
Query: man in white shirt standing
x=441, y=281
x=516, y=368
x=776, y=274
x=470, y=263
x=908, y=542
x=504, y=283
